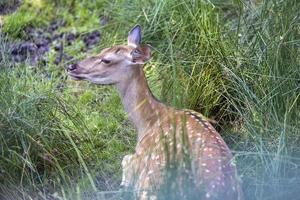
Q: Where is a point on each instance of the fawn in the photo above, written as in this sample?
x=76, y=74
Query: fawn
x=161, y=128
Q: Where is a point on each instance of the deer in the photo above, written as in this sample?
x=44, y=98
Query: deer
x=164, y=133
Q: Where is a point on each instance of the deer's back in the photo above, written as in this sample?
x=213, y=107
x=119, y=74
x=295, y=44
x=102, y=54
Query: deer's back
x=185, y=148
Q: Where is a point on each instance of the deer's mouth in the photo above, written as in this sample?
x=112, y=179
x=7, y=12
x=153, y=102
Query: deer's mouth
x=75, y=76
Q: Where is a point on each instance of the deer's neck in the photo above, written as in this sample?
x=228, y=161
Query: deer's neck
x=139, y=103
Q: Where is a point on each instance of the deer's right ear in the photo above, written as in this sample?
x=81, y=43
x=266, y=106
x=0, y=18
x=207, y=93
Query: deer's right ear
x=135, y=36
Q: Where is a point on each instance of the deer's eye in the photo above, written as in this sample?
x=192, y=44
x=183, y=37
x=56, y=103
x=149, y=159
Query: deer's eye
x=105, y=61
x=136, y=52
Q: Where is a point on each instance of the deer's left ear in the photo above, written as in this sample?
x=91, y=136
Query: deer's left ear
x=135, y=36
x=140, y=55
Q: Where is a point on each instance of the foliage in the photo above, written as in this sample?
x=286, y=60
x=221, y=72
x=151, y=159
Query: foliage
x=236, y=62
x=49, y=137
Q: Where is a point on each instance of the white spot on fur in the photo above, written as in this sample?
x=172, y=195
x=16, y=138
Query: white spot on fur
x=146, y=159
x=153, y=197
x=207, y=195
x=139, y=152
x=153, y=156
x=150, y=172
x=144, y=195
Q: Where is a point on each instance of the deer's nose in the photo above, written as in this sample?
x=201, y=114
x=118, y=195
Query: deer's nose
x=72, y=67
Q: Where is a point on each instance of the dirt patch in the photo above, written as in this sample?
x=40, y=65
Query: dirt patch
x=9, y=6
x=39, y=41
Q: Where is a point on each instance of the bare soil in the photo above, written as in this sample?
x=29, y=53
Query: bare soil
x=39, y=41
x=9, y=6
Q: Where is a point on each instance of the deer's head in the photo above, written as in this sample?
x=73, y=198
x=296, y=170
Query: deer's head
x=114, y=64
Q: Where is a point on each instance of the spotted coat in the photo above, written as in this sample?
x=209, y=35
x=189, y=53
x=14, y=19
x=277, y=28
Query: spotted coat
x=183, y=134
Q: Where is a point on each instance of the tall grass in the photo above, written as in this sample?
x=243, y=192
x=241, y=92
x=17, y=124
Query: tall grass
x=236, y=62
x=49, y=143
x=267, y=82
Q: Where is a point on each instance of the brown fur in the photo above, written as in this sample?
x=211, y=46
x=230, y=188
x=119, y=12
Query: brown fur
x=164, y=133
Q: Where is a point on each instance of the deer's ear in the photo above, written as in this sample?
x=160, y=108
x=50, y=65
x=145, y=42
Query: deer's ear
x=140, y=55
x=135, y=36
